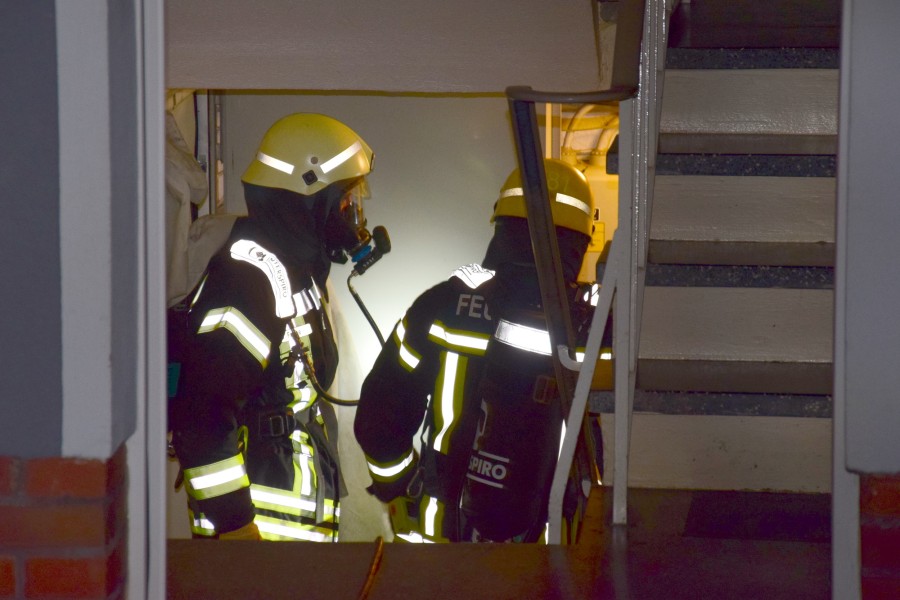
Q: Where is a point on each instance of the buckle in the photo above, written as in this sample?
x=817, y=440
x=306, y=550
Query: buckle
x=277, y=425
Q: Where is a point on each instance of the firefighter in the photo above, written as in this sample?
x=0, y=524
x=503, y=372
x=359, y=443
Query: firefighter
x=255, y=442
x=432, y=373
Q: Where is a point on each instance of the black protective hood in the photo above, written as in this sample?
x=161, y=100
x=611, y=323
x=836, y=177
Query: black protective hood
x=305, y=231
x=510, y=254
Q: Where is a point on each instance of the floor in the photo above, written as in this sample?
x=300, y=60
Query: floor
x=677, y=544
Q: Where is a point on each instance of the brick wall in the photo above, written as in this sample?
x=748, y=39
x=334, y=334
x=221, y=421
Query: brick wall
x=63, y=528
x=879, y=516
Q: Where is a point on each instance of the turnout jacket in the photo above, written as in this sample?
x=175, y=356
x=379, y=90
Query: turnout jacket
x=436, y=370
x=252, y=440
x=428, y=369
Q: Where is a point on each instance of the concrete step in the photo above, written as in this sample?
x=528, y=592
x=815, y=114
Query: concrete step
x=703, y=220
x=749, y=111
x=714, y=452
x=751, y=340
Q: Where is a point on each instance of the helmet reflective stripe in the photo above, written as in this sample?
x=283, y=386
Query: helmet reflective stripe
x=448, y=399
x=473, y=275
x=275, y=163
x=558, y=197
x=217, y=479
x=409, y=358
x=523, y=337
x=390, y=471
x=341, y=158
x=269, y=264
x=458, y=340
x=246, y=333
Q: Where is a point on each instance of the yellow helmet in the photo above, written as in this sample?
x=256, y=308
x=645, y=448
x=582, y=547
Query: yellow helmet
x=306, y=152
x=569, y=191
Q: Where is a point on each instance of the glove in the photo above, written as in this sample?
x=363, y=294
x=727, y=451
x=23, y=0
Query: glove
x=247, y=532
x=404, y=515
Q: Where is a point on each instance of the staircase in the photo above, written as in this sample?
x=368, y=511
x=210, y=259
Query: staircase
x=735, y=363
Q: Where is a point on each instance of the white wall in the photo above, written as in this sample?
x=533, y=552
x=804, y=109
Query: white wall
x=439, y=164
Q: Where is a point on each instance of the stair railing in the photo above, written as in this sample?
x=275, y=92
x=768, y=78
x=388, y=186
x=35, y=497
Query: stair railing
x=636, y=82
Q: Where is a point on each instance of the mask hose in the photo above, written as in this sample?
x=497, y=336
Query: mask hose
x=363, y=259
x=368, y=257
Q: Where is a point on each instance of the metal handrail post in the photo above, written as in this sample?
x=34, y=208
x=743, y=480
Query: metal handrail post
x=639, y=122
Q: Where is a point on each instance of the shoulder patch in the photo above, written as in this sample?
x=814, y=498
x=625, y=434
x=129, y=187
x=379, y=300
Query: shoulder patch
x=473, y=275
x=251, y=252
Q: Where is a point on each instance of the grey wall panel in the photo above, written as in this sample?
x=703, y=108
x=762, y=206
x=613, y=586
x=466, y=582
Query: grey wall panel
x=31, y=356
x=123, y=116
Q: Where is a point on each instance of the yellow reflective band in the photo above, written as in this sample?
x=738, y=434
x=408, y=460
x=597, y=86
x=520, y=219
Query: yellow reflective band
x=449, y=399
x=456, y=339
x=409, y=358
x=199, y=289
x=523, y=337
x=200, y=525
x=431, y=512
x=392, y=471
x=341, y=158
x=561, y=198
x=306, y=474
x=275, y=163
x=413, y=538
x=217, y=479
x=246, y=333
x=271, y=528
x=272, y=499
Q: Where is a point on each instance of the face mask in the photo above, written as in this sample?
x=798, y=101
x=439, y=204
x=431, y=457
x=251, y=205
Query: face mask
x=345, y=226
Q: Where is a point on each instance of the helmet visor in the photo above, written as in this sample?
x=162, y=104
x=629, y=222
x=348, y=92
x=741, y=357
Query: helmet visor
x=351, y=205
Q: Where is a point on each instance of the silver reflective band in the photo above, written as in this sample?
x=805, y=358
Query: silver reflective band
x=561, y=198
x=341, y=158
x=201, y=482
x=571, y=201
x=521, y=336
x=273, y=162
x=392, y=471
x=204, y=523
